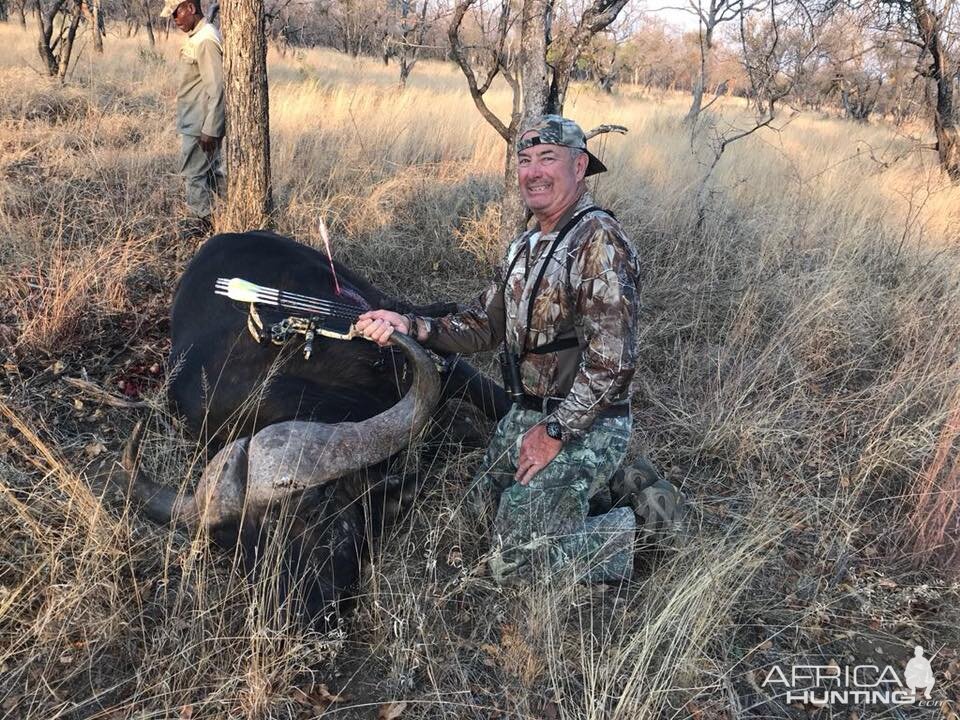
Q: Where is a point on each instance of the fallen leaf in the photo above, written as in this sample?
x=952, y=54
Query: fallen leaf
x=391, y=710
x=322, y=691
x=887, y=583
x=94, y=449
x=186, y=712
x=490, y=655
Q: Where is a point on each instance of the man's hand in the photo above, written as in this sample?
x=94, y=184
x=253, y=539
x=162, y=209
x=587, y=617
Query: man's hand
x=379, y=325
x=208, y=143
x=537, y=450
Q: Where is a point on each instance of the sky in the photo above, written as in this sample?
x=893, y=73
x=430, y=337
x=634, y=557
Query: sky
x=666, y=11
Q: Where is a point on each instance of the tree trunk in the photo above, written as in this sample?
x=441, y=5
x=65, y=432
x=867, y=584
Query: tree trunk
x=706, y=48
x=4, y=11
x=534, y=88
x=945, y=122
x=534, y=79
x=413, y=34
x=45, y=45
x=97, y=23
x=514, y=213
x=148, y=24
x=67, y=49
x=948, y=146
x=249, y=200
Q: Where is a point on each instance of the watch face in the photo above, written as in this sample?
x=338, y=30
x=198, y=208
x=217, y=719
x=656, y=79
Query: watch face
x=554, y=430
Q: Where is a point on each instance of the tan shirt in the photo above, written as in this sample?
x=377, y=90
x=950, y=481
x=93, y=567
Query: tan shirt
x=598, y=307
x=200, y=86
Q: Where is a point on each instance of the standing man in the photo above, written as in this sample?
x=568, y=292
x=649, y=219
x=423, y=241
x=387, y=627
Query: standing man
x=199, y=113
x=567, y=313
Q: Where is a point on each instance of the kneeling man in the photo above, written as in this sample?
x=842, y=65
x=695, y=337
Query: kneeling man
x=566, y=311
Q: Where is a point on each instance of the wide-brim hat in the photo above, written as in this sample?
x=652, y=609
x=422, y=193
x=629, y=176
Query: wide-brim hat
x=556, y=130
x=168, y=7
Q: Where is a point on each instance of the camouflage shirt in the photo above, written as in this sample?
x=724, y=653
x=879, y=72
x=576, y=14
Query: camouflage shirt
x=599, y=307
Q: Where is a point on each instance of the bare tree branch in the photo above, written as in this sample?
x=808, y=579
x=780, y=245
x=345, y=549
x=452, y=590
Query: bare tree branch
x=459, y=55
x=602, y=129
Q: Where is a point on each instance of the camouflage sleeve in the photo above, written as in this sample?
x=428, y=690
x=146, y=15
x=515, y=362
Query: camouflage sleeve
x=478, y=326
x=604, y=279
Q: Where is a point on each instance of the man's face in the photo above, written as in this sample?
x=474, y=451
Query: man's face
x=185, y=16
x=549, y=177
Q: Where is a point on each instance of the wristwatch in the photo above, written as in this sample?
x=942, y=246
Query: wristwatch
x=554, y=430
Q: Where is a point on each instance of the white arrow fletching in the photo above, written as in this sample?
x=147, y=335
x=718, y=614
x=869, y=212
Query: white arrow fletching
x=243, y=291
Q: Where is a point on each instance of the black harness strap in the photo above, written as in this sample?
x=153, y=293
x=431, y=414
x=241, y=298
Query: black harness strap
x=560, y=343
x=571, y=223
x=554, y=346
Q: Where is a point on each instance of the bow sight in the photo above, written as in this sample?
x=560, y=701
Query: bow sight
x=314, y=317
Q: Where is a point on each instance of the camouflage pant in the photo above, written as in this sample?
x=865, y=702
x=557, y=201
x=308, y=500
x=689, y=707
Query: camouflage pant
x=543, y=526
x=202, y=175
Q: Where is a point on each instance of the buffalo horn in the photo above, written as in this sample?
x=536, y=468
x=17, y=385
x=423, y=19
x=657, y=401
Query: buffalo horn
x=290, y=457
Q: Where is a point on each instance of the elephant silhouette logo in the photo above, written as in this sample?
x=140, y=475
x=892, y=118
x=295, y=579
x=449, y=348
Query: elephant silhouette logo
x=918, y=673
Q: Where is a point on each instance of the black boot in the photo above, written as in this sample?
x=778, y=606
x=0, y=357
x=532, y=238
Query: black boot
x=194, y=228
x=660, y=507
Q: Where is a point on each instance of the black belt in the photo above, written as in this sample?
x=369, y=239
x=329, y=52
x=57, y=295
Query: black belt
x=549, y=405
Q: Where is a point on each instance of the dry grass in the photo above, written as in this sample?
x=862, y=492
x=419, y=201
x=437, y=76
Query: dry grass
x=799, y=374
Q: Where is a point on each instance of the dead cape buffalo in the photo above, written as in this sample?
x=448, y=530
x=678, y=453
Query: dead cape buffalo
x=283, y=428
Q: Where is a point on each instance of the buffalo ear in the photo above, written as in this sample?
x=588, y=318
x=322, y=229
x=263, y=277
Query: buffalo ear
x=119, y=474
x=106, y=475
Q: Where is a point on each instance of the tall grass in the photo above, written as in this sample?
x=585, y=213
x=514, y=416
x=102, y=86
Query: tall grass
x=798, y=370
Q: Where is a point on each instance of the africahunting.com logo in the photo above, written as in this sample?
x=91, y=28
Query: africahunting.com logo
x=852, y=684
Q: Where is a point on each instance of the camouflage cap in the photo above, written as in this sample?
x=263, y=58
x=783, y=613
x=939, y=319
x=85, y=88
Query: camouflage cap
x=556, y=130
